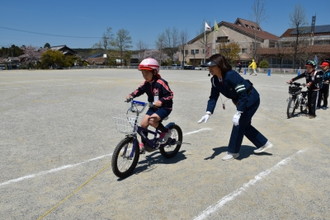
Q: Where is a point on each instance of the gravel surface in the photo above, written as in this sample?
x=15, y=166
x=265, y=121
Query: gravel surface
x=57, y=136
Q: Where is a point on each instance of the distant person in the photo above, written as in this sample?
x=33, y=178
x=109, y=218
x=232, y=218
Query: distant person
x=253, y=66
x=239, y=66
x=313, y=83
x=159, y=93
x=324, y=91
x=246, y=98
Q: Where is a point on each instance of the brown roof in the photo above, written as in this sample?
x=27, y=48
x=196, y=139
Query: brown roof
x=318, y=30
x=245, y=27
x=96, y=60
x=251, y=30
x=247, y=24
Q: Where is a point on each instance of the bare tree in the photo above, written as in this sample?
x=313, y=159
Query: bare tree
x=259, y=14
x=160, y=44
x=142, y=47
x=298, y=19
x=183, y=39
x=171, y=42
x=106, y=41
x=122, y=43
x=168, y=42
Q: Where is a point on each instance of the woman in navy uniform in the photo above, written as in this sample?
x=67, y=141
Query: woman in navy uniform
x=246, y=98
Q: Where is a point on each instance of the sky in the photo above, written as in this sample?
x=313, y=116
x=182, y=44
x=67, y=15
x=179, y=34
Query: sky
x=81, y=24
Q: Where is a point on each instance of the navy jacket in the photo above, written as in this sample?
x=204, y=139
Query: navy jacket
x=235, y=87
x=315, y=78
x=157, y=87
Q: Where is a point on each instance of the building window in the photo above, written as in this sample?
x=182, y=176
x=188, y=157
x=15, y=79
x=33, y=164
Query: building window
x=271, y=44
x=321, y=42
x=194, y=51
x=286, y=44
x=222, y=39
x=244, y=50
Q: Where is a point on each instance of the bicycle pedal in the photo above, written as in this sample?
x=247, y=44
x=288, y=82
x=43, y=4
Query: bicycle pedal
x=149, y=149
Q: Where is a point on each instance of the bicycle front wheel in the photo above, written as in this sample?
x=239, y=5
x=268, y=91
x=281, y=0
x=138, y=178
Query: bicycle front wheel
x=125, y=158
x=173, y=144
x=292, y=106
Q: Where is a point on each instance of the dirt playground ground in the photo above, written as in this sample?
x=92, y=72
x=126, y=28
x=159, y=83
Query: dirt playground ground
x=57, y=136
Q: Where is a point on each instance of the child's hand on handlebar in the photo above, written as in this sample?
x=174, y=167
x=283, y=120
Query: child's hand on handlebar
x=128, y=98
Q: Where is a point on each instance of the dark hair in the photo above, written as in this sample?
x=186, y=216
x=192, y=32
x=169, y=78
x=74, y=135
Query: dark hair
x=221, y=62
x=155, y=75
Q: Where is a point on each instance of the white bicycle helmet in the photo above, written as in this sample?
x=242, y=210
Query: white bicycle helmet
x=149, y=64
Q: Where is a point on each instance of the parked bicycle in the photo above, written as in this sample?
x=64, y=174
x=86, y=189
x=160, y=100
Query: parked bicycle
x=297, y=99
x=126, y=154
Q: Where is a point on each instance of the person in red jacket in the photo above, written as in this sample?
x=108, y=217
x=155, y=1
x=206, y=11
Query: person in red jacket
x=158, y=92
x=324, y=91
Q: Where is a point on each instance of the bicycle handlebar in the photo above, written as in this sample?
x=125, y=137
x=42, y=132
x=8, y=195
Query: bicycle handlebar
x=140, y=103
x=135, y=104
x=298, y=84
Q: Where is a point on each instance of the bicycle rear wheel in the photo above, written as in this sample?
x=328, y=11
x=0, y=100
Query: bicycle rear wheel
x=125, y=158
x=173, y=143
x=292, y=106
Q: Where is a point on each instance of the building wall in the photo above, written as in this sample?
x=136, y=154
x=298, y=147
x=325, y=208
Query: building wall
x=201, y=51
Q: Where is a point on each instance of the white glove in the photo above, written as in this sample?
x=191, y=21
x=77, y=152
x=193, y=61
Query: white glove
x=236, y=118
x=205, y=118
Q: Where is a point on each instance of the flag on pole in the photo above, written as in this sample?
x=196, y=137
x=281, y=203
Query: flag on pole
x=207, y=27
x=216, y=27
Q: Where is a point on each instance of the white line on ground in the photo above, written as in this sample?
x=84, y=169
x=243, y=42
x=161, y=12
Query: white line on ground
x=72, y=165
x=51, y=171
x=231, y=196
x=193, y=132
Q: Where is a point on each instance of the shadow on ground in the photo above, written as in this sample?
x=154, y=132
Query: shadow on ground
x=245, y=152
x=150, y=161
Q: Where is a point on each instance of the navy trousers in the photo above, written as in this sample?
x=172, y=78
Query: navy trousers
x=246, y=129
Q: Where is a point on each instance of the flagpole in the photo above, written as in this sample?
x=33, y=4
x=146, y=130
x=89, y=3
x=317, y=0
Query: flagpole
x=206, y=28
x=204, y=43
x=204, y=46
x=213, y=43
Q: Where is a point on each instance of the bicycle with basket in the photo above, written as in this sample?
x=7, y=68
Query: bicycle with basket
x=126, y=154
x=297, y=99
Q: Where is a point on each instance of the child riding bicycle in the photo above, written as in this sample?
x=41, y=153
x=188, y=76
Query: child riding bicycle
x=159, y=94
